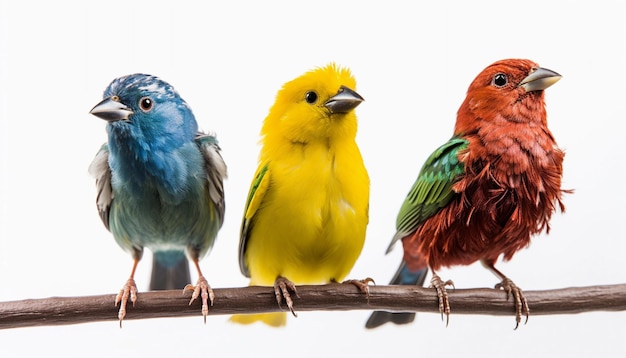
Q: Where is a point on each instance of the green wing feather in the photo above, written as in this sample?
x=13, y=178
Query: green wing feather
x=258, y=188
x=433, y=188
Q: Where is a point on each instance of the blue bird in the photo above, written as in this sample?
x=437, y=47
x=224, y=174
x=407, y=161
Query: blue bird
x=159, y=183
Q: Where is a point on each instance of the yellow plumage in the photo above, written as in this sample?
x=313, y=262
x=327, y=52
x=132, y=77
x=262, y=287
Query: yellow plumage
x=307, y=211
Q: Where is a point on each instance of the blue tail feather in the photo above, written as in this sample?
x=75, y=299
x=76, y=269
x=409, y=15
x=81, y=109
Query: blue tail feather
x=170, y=271
x=404, y=276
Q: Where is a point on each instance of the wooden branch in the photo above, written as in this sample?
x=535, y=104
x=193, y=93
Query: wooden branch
x=331, y=297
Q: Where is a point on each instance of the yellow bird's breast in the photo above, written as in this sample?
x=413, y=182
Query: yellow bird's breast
x=311, y=225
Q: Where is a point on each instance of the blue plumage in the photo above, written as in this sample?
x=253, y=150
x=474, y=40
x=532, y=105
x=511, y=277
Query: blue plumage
x=159, y=181
x=403, y=276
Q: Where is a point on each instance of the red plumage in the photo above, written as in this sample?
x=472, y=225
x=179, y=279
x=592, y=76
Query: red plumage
x=488, y=190
x=485, y=192
x=512, y=179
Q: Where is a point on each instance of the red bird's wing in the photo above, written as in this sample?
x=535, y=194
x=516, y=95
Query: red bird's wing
x=433, y=188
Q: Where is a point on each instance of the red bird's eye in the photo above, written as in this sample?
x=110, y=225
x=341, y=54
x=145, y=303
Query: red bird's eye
x=499, y=80
x=146, y=104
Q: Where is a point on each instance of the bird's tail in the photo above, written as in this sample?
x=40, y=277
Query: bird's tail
x=271, y=319
x=404, y=276
x=170, y=271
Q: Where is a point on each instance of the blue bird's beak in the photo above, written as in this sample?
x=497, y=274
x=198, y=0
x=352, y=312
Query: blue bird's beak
x=344, y=101
x=111, y=110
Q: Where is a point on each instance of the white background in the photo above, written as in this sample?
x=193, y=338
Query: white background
x=413, y=63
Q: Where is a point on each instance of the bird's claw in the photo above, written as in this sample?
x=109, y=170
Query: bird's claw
x=282, y=286
x=521, y=305
x=129, y=290
x=442, y=295
x=362, y=285
x=204, y=290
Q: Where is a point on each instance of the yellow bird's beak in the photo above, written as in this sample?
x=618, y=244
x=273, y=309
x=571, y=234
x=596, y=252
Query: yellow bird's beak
x=344, y=101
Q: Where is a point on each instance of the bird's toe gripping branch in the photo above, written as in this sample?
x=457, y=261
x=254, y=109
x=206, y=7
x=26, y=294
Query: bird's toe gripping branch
x=521, y=305
x=362, y=285
x=282, y=286
x=204, y=290
x=442, y=295
x=129, y=290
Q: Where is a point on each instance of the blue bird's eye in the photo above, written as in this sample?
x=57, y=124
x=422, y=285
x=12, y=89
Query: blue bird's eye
x=310, y=97
x=146, y=104
x=499, y=80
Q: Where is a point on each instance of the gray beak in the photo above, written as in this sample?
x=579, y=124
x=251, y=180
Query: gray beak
x=540, y=79
x=344, y=101
x=111, y=110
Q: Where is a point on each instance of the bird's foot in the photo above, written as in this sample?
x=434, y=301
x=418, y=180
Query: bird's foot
x=521, y=305
x=128, y=291
x=282, y=286
x=442, y=295
x=204, y=290
x=362, y=285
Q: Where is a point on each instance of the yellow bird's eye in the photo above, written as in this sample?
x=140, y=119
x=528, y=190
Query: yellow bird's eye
x=310, y=97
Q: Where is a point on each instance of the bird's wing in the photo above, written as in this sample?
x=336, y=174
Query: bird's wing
x=99, y=169
x=258, y=188
x=215, y=168
x=432, y=190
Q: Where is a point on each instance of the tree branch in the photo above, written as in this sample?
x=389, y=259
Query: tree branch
x=331, y=297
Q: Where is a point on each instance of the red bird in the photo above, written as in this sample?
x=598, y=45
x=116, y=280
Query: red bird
x=486, y=191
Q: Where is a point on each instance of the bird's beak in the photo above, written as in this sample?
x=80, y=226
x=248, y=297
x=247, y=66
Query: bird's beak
x=344, y=101
x=540, y=79
x=111, y=110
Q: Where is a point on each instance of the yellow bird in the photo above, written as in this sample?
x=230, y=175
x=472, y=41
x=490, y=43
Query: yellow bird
x=307, y=209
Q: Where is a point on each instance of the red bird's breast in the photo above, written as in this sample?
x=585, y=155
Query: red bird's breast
x=511, y=187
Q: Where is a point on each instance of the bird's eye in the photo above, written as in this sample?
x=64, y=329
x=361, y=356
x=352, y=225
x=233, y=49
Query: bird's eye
x=146, y=104
x=310, y=97
x=499, y=80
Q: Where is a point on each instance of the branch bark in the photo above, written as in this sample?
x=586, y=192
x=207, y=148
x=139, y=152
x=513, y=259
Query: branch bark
x=330, y=297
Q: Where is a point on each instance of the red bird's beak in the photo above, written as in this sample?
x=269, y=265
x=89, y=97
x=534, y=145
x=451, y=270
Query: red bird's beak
x=539, y=79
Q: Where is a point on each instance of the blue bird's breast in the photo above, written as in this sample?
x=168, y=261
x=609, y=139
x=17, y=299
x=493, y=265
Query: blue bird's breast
x=161, y=201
